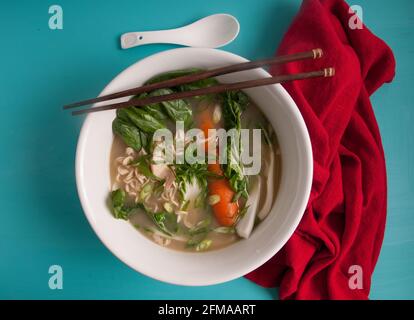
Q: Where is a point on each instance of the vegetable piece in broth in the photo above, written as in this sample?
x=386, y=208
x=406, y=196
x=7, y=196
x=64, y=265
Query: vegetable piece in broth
x=128, y=133
x=119, y=209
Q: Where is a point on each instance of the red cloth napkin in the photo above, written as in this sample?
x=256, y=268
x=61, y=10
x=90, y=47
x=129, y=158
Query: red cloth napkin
x=344, y=221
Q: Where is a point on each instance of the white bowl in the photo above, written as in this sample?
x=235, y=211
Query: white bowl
x=185, y=268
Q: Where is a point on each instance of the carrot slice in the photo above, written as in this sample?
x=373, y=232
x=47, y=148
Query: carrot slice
x=224, y=210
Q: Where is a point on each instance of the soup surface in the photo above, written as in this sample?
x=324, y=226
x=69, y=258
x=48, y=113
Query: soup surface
x=190, y=206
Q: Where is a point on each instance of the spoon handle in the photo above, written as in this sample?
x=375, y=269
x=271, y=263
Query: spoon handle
x=174, y=36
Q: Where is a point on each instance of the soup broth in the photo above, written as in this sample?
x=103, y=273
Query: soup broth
x=184, y=213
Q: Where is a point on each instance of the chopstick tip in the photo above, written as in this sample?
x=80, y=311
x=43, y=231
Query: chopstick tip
x=329, y=72
x=317, y=53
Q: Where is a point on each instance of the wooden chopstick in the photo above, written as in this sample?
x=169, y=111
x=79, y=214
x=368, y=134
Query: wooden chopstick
x=327, y=72
x=312, y=54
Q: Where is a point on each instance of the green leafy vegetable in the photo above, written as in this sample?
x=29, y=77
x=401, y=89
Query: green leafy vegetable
x=193, y=242
x=204, y=83
x=143, y=120
x=188, y=86
x=186, y=173
x=202, y=227
x=165, y=222
x=128, y=133
x=143, y=166
x=144, y=140
x=199, y=232
x=184, y=205
x=123, y=115
x=156, y=111
x=172, y=75
x=178, y=110
x=225, y=230
x=145, y=192
x=119, y=209
x=199, y=244
x=234, y=102
x=132, y=135
x=204, y=245
x=200, y=200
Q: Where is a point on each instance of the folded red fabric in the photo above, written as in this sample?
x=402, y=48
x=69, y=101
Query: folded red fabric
x=343, y=225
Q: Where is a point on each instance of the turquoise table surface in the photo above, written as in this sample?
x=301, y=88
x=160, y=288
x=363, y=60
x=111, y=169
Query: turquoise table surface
x=42, y=222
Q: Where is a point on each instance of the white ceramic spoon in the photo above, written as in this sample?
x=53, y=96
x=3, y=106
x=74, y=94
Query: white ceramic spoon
x=212, y=31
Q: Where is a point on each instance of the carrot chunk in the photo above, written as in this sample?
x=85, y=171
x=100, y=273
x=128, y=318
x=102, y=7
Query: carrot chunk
x=224, y=210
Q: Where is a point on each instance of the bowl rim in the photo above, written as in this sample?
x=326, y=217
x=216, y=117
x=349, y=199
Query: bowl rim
x=249, y=266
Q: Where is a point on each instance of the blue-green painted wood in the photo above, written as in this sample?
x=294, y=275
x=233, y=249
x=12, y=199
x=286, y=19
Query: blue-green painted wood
x=40, y=69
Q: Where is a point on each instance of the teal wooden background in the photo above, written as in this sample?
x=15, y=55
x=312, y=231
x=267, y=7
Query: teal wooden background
x=42, y=222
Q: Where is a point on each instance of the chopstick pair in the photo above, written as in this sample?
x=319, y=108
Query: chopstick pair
x=313, y=54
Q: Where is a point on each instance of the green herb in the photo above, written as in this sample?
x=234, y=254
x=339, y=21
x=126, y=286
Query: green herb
x=225, y=230
x=145, y=140
x=166, y=222
x=186, y=173
x=192, y=242
x=148, y=230
x=143, y=166
x=145, y=192
x=128, y=133
x=119, y=209
x=203, y=245
x=233, y=104
x=200, y=200
x=185, y=205
x=195, y=240
x=202, y=227
x=198, y=233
